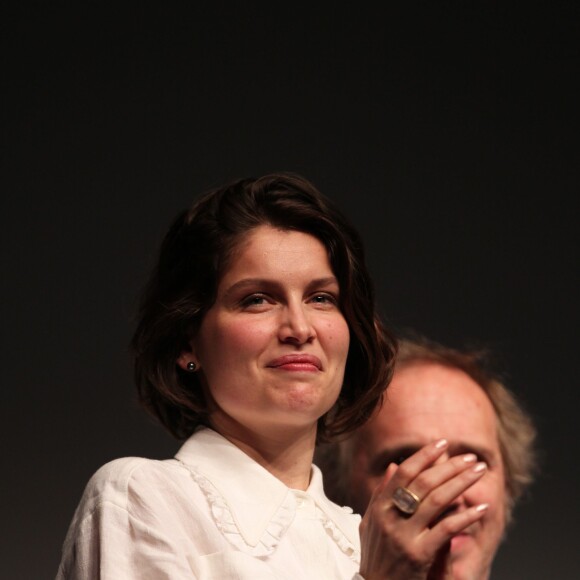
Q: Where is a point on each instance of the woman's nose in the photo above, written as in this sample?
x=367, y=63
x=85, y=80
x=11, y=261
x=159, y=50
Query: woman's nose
x=296, y=326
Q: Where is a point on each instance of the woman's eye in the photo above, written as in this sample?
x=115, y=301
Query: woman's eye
x=253, y=300
x=323, y=299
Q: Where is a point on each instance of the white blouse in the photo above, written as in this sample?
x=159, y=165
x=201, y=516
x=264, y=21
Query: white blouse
x=210, y=513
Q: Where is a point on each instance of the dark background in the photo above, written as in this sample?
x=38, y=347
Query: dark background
x=448, y=131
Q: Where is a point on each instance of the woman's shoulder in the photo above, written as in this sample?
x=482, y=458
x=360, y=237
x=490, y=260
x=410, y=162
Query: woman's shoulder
x=124, y=469
x=119, y=481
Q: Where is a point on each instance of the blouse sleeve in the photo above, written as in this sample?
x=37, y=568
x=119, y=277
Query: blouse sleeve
x=108, y=540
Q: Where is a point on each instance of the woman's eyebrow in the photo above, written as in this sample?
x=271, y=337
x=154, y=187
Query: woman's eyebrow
x=272, y=283
x=322, y=282
x=248, y=282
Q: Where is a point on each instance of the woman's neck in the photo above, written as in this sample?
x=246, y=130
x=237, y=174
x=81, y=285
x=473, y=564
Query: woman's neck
x=286, y=453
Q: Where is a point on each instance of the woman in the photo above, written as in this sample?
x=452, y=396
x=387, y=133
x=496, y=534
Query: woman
x=257, y=337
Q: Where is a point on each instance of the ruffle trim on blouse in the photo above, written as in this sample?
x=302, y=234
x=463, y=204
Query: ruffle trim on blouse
x=338, y=536
x=226, y=522
x=276, y=528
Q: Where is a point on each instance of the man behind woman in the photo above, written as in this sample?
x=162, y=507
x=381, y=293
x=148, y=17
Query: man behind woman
x=440, y=391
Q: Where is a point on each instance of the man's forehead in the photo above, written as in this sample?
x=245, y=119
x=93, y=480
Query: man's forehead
x=427, y=400
x=432, y=388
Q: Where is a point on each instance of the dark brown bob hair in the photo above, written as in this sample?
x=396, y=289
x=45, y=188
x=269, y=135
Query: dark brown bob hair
x=183, y=286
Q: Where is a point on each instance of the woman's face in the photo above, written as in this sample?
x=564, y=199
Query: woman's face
x=272, y=349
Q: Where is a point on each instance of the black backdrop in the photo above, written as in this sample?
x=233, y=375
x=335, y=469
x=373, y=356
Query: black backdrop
x=448, y=131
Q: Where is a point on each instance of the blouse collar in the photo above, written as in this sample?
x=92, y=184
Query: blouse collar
x=261, y=517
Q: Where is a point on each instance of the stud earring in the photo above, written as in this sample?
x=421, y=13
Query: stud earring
x=191, y=367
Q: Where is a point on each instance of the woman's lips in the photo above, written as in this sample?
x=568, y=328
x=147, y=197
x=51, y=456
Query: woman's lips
x=296, y=362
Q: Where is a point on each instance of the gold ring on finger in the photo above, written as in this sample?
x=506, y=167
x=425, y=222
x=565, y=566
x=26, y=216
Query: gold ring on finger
x=405, y=500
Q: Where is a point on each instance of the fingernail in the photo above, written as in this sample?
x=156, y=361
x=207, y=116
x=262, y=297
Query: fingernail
x=481, y=507
x=469, y=458
x=441, y=443
x=480, y=467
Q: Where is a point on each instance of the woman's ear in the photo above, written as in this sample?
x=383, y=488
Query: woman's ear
x=187, y=360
